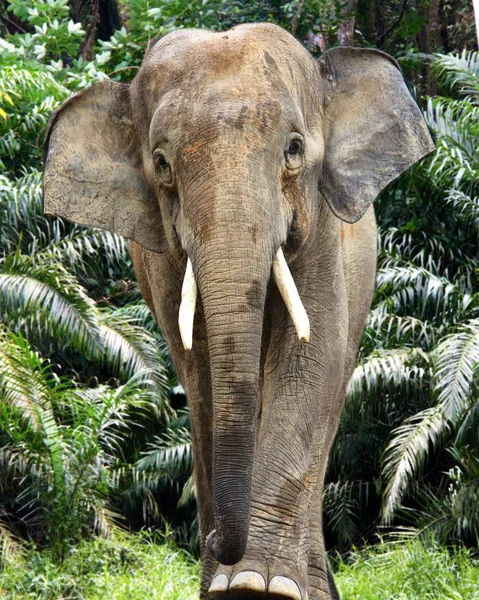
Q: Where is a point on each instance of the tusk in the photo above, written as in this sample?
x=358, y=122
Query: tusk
x=186, y=314
x=285, y=282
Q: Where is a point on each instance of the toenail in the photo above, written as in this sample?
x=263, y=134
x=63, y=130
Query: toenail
x=220, y=584
x=248, y=580
x=283, y=586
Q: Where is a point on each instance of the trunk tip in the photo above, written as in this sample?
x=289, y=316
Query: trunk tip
x=225, y=554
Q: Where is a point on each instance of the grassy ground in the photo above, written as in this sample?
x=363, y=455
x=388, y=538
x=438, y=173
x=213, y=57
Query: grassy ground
x=131, y=567
x=409, y=572
x=125, y=567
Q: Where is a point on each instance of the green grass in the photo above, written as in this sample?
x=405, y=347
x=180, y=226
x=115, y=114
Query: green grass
x=125, y=567
x=134, y=567
x=409, y=571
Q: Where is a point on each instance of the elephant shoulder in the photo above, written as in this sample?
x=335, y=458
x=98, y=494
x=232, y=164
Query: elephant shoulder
x=359, y=251
x=359, y=237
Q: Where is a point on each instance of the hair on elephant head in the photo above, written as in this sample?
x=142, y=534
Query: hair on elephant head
x=220, y=161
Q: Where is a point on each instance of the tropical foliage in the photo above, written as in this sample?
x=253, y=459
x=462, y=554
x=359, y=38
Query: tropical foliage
x=93, y=426
x=80, y=371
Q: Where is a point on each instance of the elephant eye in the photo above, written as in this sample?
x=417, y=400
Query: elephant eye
x=162, y=166
x=294, y=148
x=294, y=153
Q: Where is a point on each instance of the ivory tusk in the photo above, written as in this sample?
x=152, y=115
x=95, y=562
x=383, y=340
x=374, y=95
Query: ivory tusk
x=288, y=290
x=186, y=314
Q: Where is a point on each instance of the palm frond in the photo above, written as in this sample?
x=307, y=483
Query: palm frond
x=455, y=362
x=342, y=509
x=188, y=493
x=407, y=452
x=467, y=206
x=140, y=314
x=468, y=426
x=168, y=455
x=411, y=290
x=391, y=366
x=141, y=492
x=452, y=517
x=54, y=442
x=167, y=460
x=23, y=225
x=22, y=384
x=401, y=249
x=459, y=71
x=456, y=163
x=385, y=330
x=131, y=349
x=44, y=299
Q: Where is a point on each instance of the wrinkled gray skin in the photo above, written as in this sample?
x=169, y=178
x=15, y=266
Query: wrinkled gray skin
x=195, y=158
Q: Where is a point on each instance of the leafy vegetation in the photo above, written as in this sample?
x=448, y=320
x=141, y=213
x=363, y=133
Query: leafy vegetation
x=84, y=371
x=93, y=425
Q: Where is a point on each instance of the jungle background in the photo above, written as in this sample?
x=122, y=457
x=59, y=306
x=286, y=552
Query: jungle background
x=94, y=428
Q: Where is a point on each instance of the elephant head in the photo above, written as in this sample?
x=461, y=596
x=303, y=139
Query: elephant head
x=221, y=153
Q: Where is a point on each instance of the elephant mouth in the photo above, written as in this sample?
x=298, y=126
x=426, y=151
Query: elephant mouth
x=286, y=286
x=295, y=237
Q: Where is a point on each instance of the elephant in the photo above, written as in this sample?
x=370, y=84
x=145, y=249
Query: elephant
x=243, y=171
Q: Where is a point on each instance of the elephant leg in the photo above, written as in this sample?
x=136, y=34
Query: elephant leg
x=322, y=585
x=297, y=401
x=277, y=555
x=193, y=369
x=201, y=434
x=276, y=558
x=333, y=590
x=201, y=415
x=321, y=579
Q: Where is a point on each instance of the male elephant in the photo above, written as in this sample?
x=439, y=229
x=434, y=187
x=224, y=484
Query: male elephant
x=238, y=159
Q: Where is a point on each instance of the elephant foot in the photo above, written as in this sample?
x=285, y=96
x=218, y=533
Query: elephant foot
x=255, y=580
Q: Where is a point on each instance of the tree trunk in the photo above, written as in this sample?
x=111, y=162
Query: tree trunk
x=428, y=41
x=346, y=27
x=475, y=6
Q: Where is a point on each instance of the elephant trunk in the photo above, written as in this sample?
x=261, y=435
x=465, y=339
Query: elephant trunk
x=232, y=265
x=233, y=291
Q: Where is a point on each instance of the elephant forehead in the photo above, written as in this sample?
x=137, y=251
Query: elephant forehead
x=244, y=59
x=222, y=53
x=212, y=120
x=220, y=106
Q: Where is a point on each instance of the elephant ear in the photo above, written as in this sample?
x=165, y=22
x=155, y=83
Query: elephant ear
x=93, y=168
x=373, y=129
